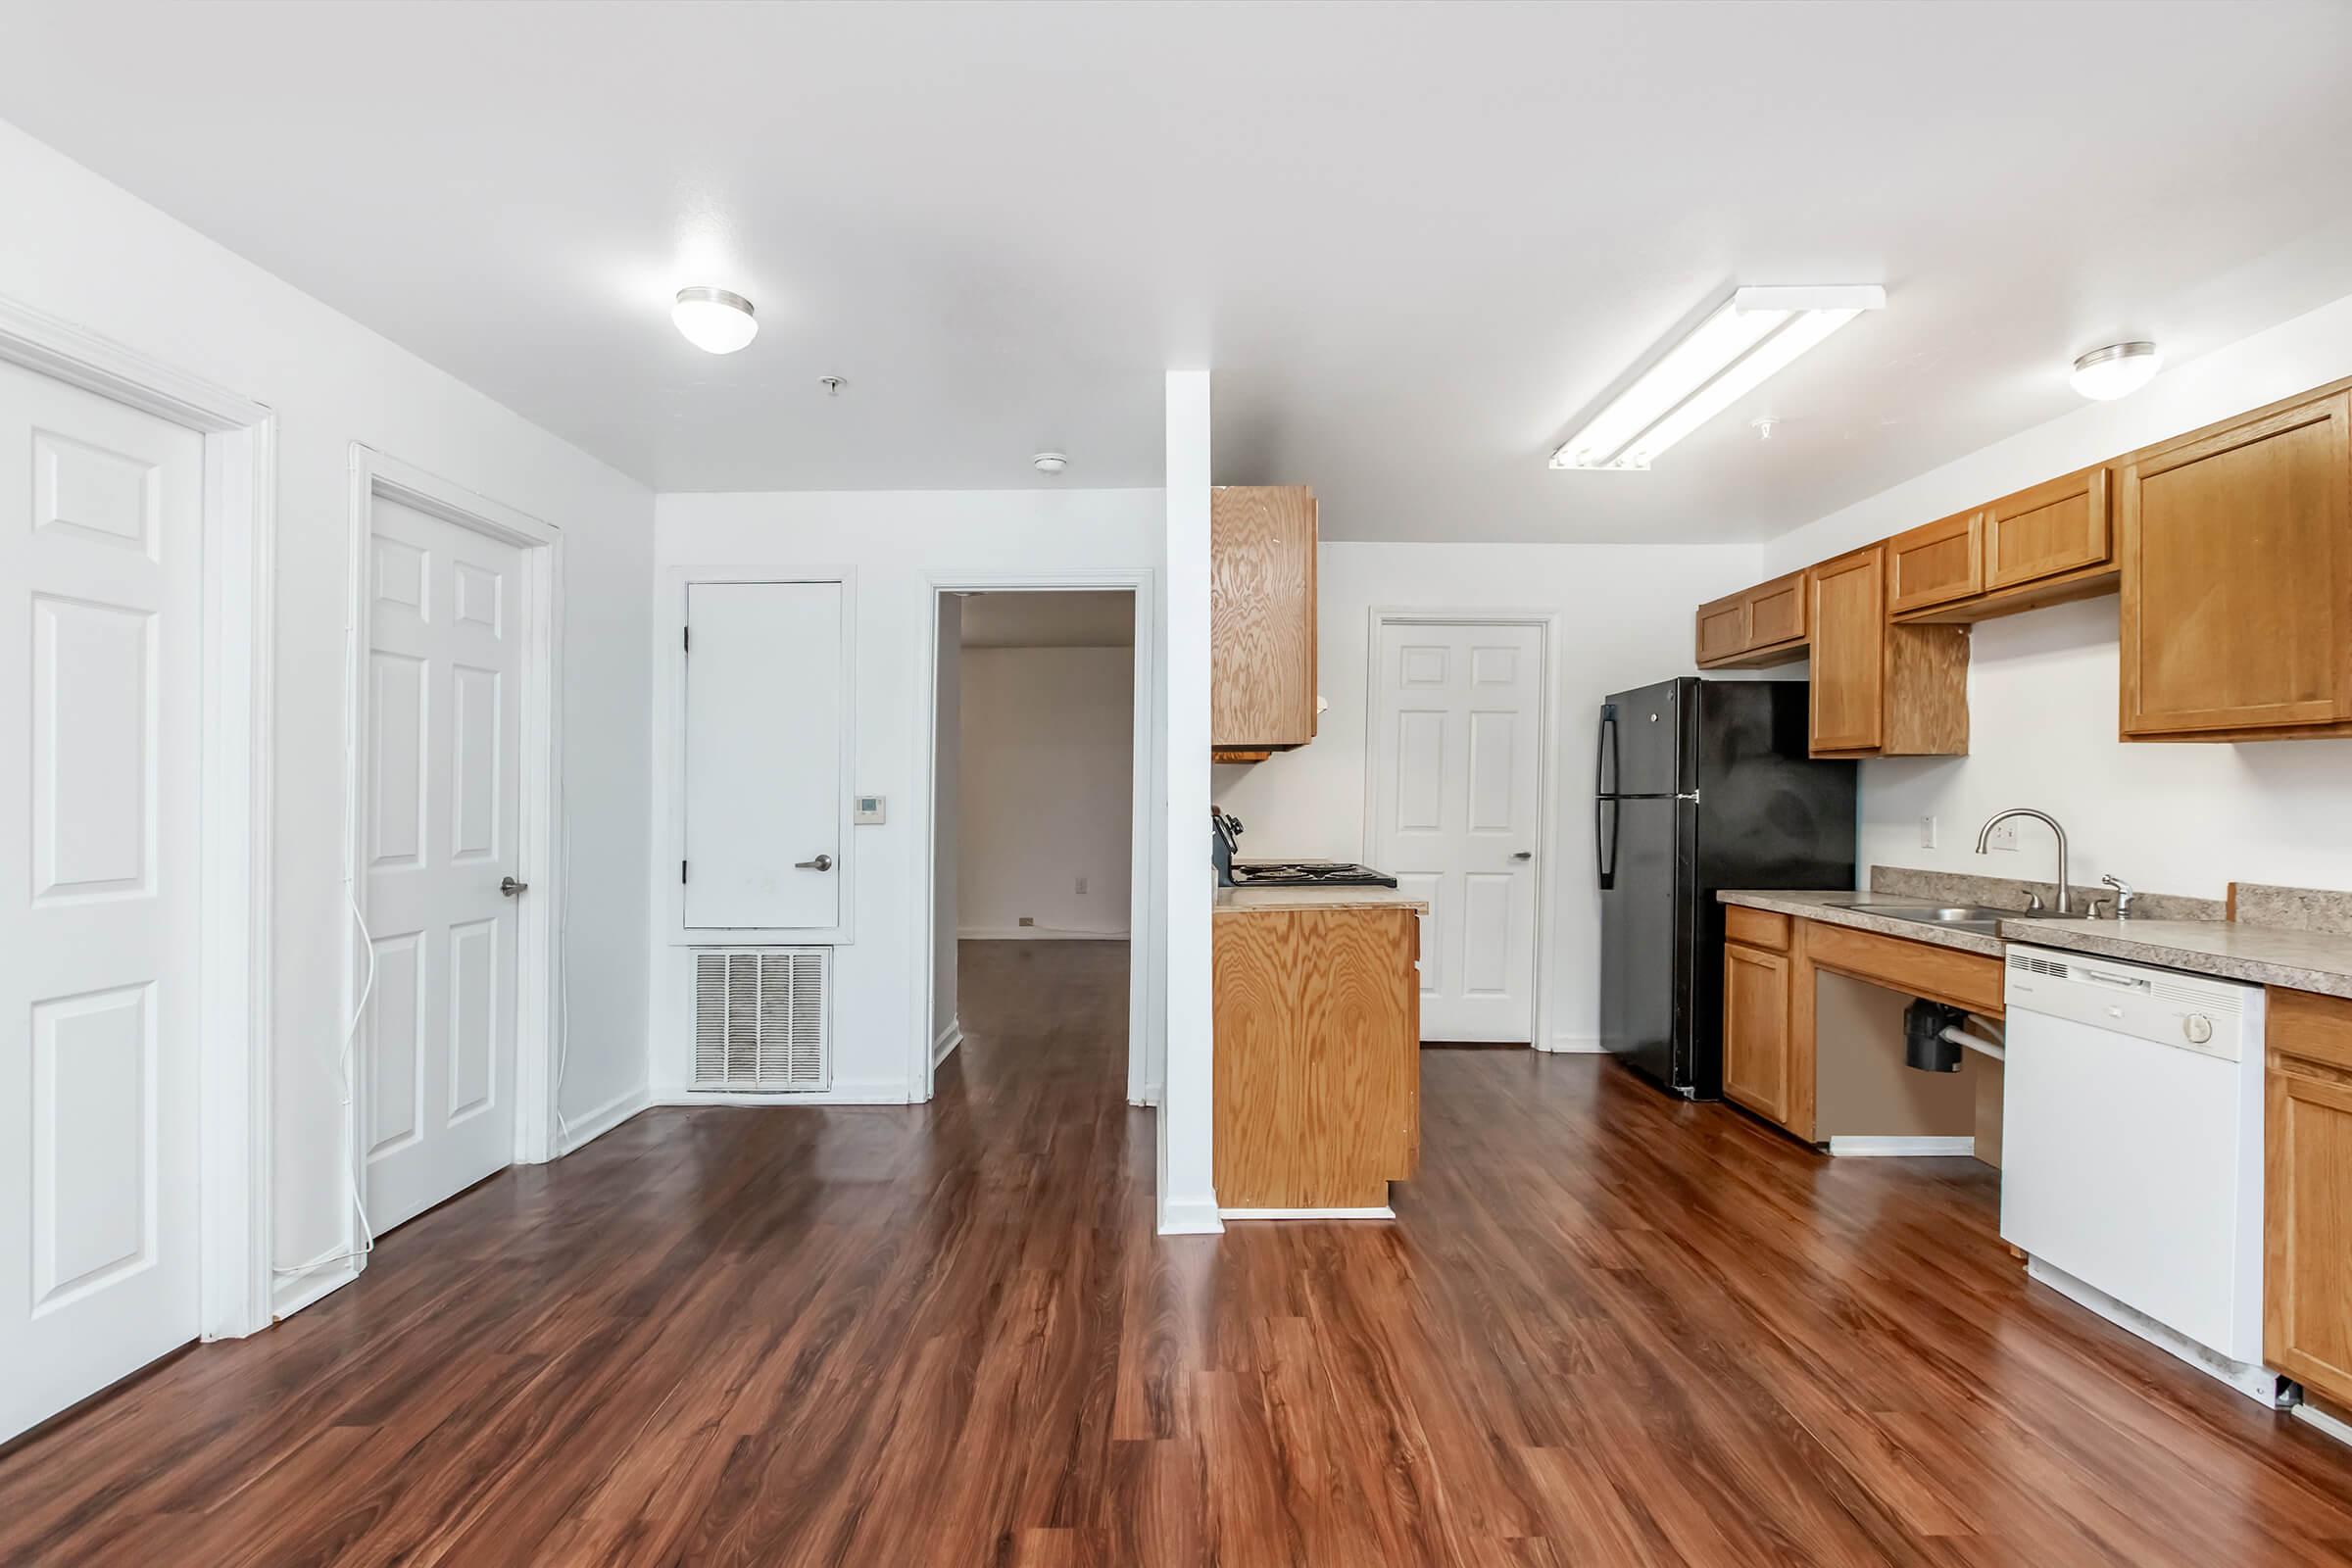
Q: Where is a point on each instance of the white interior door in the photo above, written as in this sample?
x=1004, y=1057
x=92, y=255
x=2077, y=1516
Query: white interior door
x=762, y=766
x=1457, y=770
x=441, y=786
x=100, y=532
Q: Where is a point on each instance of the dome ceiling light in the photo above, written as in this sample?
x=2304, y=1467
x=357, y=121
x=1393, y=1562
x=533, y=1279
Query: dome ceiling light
x=714, y=319
x=2116, y=370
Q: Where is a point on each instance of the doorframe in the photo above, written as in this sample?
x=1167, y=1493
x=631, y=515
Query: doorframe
x=538, y=1006
x=237, y=706
x=1146, y=1046
x=1547, y=624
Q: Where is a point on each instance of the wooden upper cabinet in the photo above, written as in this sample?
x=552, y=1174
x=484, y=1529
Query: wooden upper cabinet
x=1723, y=630
x=1849, y=612
x=1936, y=563
x=2052, y=528
x=1760, y=625
x=2235, y=545
x=2307, y=1193
x=1262, y=625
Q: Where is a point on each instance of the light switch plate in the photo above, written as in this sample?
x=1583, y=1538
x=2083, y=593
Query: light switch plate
x=1927, y=832
x=872, y=809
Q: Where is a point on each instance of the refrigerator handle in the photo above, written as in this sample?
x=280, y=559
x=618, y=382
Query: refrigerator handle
x=1604, y=841
x=1604, y=755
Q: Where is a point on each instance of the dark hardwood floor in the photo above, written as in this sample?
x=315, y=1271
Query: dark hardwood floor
x=1605, y=1329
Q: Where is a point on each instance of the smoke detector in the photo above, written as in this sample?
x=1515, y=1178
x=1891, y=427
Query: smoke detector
x=1048, y=462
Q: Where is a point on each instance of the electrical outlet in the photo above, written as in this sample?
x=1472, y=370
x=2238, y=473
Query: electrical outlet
x=1028, y=919
x=1927, y=832
x=1082, y=886
x=2003, y=836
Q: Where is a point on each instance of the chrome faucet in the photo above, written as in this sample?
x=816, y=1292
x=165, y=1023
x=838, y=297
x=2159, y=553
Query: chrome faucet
x=1985, y=837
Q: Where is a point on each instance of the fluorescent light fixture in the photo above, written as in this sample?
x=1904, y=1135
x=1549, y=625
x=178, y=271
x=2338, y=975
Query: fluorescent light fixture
x=1753, y=335
x=2116, y=370
x=714, y=319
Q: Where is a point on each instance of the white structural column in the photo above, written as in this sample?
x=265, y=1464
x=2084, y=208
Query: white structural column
x=1188, y=1199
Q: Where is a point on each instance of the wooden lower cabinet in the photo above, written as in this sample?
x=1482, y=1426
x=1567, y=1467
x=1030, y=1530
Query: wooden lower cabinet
x=1318, y=1056
x=2307, y=1193
x=1757, y=1070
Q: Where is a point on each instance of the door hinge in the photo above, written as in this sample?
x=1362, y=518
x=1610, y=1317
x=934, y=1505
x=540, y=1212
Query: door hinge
x=681, y=873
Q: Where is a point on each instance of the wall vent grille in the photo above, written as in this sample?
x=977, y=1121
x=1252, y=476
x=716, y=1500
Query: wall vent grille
x=759, y=1020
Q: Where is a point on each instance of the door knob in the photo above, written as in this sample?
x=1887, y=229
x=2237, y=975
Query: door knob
x=510, y=887
x=823, y=863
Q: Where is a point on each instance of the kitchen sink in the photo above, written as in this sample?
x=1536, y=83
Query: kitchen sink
x=1965, y=916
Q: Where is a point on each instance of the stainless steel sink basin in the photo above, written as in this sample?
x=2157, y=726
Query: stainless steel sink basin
x=1959, y=914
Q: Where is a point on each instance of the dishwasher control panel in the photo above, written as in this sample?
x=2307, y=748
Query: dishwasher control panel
x=2163, y=1006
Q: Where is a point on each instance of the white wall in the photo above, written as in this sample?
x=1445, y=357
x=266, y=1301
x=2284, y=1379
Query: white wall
x=1186, y=1133
x=1047, y=790
x=83, y=250
x=1624, y=618
x=894, y=543
x=946, y=806
x=2043, y=685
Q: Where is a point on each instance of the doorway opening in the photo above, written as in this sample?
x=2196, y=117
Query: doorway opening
x=1038, y=913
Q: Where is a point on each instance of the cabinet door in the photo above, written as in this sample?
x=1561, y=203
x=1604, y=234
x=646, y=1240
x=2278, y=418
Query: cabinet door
x=2237, y=576
x=1776, y=611
x=2055, y=527
x=1755, y=1030
x=1936, y=563
x=1722, y=629
x=1849, y=651
x=2307, y=1197
x=1261, y=624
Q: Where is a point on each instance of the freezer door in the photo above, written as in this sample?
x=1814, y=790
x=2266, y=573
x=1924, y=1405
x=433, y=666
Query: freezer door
x=1640, y=958
x=1642, y=736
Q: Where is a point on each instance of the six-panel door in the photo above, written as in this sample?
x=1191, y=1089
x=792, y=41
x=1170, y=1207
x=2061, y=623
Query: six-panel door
x=100, y=544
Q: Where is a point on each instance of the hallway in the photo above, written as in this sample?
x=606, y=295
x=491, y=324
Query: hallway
x=1607, y=1328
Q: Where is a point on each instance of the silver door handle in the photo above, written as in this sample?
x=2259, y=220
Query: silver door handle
x=823, y=863
x=1524, y=855
x=510, y=887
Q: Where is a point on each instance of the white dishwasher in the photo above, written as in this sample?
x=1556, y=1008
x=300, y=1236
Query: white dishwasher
x=2131, y=1108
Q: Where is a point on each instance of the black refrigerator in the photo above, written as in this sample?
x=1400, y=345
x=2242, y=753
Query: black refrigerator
x=1703, y=785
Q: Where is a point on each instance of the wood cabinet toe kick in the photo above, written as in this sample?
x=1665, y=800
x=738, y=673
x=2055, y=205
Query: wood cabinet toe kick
x=1318, y=1071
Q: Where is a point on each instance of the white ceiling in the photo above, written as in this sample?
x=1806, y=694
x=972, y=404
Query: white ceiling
x=1413, y=241
x=1059, y=619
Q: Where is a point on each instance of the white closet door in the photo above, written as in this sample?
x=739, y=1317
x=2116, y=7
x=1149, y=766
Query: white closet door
x=442, y=794
x=100, y=530
x=762, y=763
x=1456, y=773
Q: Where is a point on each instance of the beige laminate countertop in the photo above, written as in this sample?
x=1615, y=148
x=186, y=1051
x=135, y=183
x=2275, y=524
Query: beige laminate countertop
x=2270, y=955
x=1257, y=901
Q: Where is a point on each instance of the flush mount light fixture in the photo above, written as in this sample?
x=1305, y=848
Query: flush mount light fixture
x=1048, y=462
x=2116, y=370
x=1743, y=342
x=714, y=319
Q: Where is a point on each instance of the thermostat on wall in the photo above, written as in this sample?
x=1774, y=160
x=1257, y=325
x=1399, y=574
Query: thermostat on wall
x=872, y=808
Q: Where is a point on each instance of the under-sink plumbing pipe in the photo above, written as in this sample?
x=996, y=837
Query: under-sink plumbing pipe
x=1935, y=1033
x=1959, y=1036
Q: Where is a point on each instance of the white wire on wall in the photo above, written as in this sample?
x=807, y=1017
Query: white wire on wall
x=345, y=1071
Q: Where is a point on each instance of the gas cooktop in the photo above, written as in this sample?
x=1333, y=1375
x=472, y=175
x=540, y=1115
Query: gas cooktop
x=1307, y=875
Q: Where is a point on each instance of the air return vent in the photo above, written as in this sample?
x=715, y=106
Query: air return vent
x=760, y=1022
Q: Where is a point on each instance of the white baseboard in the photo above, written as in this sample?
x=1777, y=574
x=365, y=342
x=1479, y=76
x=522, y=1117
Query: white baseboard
x=874, y=1092
x=2341, y=1431
x=1381, y=1212
x=578, y=1134
x=1189, y=1216
x=1568, y=1045
x=949, y=1039
x=1901, y=1146
x=1036, y=933
x=291, y=1293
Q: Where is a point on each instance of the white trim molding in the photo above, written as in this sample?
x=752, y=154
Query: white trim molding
x=1191, y=1217
x=1035, y=933
x=603, y=1118
x=1381, y=1212
x=1866, y=1147
x=844, y=1092
x=1574, y=1045
x=238, y=700
x=945, y=1045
